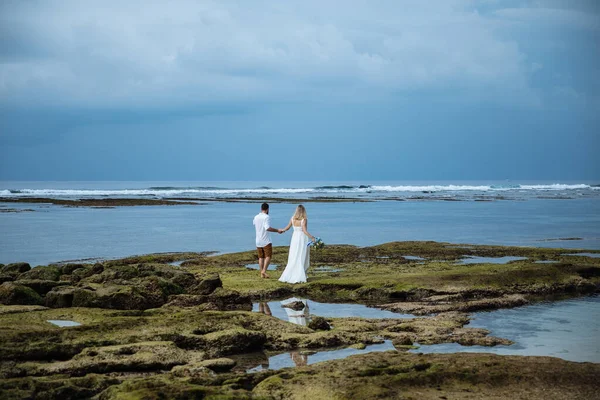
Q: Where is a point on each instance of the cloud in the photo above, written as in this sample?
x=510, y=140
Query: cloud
x=152, y=54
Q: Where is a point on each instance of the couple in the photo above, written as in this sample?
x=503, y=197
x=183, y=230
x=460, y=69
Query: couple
x=299, y=256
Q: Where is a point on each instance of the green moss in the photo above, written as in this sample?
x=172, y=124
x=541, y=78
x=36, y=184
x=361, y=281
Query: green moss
x=12, y=294
x=49, y=273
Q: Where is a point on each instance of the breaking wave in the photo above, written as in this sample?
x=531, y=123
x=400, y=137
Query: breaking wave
x=173, y=191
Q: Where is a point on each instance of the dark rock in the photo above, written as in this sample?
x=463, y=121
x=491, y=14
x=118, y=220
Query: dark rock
x=295, y=305
x=186, y=280
x=15, y=268
x=192, y=371
x=319, y=324
x=233, y=341
x=219, y=364
x=220, y=300
x=60, y=297
x=42, y=287
x=42, y=273
x=68, y=269
x=402, y=340
x=116, y=297
x=98, y=268
x=207, y=285
x=7, y=278
x=228, y=300
x=12, y=294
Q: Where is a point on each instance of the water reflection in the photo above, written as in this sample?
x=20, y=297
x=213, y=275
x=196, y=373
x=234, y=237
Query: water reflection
x=302, y=358
x=263, y=307
x=327, y=310
x=298, y=317
x=299, y=359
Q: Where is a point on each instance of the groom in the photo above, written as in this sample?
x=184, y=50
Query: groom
x=262, y=224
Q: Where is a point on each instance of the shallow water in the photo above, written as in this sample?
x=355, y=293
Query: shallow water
x=301, y=358
x=592, y=255
x=63, y=323
x=568, y=329
x=327, y=310
x=490, y=260
x=271, y=267
x=325, y=268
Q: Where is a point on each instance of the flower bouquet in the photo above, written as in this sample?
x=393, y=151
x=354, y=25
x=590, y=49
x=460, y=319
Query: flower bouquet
x=318, y=244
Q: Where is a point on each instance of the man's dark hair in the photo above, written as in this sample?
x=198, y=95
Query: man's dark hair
x=264, y=207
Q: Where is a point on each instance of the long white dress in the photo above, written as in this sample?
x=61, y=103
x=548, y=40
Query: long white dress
x=298, y=258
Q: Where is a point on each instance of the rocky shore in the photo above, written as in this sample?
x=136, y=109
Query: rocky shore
x=150, y=329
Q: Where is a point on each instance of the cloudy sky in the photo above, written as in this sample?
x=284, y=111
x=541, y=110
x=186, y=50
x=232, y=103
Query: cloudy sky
x=299, y=90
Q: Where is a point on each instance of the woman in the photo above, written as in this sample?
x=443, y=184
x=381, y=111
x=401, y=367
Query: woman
x=299, y=256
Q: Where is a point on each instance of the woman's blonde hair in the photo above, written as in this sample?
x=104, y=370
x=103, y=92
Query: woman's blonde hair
x=300, y=212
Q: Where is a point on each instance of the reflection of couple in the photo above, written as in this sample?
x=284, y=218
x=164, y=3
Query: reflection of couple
x=299, y=255
x=300, y=317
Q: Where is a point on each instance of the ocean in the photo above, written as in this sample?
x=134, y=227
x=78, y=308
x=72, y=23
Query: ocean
x=500, y=213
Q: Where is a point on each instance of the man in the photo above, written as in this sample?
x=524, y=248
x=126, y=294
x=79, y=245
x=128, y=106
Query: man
x=262, y=224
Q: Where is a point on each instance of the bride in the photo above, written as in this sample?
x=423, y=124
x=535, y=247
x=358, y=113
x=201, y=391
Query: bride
x=299, y=256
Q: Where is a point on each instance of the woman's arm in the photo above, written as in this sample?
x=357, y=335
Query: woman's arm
x=288, y=226
x=305, y=230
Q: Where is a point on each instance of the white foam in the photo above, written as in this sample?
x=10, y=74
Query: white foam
x=173, y=192
x=144, y=192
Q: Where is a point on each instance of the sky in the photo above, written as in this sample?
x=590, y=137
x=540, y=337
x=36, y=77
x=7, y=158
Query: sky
x=300, y=90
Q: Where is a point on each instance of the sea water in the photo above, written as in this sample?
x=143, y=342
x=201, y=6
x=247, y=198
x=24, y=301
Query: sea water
x=525, y=214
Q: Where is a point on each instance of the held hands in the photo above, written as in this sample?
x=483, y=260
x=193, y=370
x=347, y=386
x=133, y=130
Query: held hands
x=280, y=231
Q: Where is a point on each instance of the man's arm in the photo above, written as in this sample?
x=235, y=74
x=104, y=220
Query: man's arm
x=269, y=228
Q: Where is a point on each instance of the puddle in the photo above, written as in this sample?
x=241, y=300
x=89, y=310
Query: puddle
x=567, y=329
x=326, y=269
x=178, y=263
x=327, y=310
x=271, y=267
x=415, y=258
x=490, y=260
x=545, y=262
x=592, y=255
x=300, y=358
x=63, y=323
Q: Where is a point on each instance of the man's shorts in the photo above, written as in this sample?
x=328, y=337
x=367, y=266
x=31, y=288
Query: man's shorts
x=264, y=252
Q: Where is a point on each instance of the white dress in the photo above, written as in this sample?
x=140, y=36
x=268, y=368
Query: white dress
x=298, y=258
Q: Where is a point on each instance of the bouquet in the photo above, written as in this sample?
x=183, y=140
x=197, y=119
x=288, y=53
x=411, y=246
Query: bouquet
x=317, y=243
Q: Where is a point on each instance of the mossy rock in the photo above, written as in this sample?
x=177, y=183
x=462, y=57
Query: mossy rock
x=207, y=285
x=13, y=294
x=319, y=324
x=68, y=269
x=50, y=273
x=402, y=340
x=42, y=287
x=192, y=371
x=233, y=341
x=144, y=356
x=218, y=364
x=60, y=297
x=118, y=297
x=13, y=268
x=156, y=388
x=56, y=387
